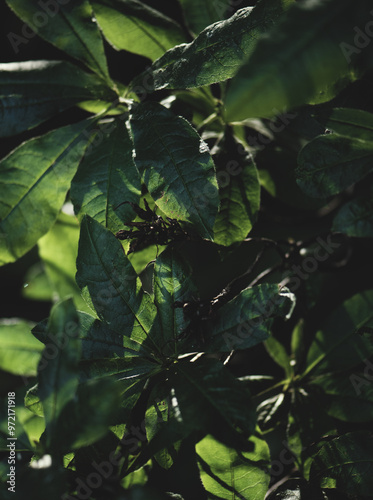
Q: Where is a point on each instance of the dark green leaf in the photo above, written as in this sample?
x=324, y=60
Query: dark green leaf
x=34, y=179
x=337, y=346
x=198, y=15
x=356, y=218
x=107, y=176
x=109, y=282
x=244, y=321
x=229, y=474
x=176, y=166
x=209, y=398
x=331, y=163
x=20, y=351
x=136, y=27
x=308, y=61
x=239, y=192
x=349, y=397
x=58, y=250
x=216, y=54
x=346, y=463
x=172, y=282
x=279, y=354
x=33, y=91
x=70, y=27
x=87, y=418
x=354, y=123
x=58, y=367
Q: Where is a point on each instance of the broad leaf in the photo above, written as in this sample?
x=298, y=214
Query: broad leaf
x=309, y=59
x=348, y=397
x=239, y=192
x=134, y=26
x=107, y=176
x=176, y=166
x=20, y=351
x=97, y=338
x=244, y=321
x=69, y=26
x=227, y=473
x=279, y=354
x=34, y=179
x=172, y=283
x=348, y=122
x=346, y=463
x=198, y=15
x=355, y=218
x=86, y=419
x=216, y=54
x=33, y=91
x=58, y=250
x=58, y=367
x=109, y=283
x=331, y=163
x=337, y=345
x=208, y=398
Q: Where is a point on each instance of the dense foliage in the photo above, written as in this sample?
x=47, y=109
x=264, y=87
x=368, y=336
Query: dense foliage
x=204, y=236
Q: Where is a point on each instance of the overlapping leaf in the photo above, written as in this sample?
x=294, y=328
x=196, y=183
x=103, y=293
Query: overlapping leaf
x=346, y=462
x=244, y=321
x=239, y=193
x=308, y=43
x=337, y=345
x=106, y=177
x=355, y=218
x=69, y=26
x=136, y=27
x=216, y=54
x=34, y=179
x=175, y=165
x=33, y=91
x=109, y=283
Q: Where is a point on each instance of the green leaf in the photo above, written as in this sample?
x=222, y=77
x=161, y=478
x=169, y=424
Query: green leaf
x=172, y=283
x=109, y=283
x=136, y=27
x=58, y=250
x=216, y=54
x=336, y=345
x=244, y=321
x=19, y=350
x=207, y=397
x=33, y=91
x=308, y=43
x=34, y=179
x=331, y=163
x=346, y=462
x=58, y=367
x=348, y=397
x=353, y=123
x=36, y=284
x=176, y=166
x=355, y=218
x=107, y=176
x=227, y=473
x=279, y=354
x=87, y=418
x=70, y=27
x=199, y=15
x=239, y=192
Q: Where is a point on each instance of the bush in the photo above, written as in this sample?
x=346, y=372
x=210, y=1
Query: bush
x=204, y=239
